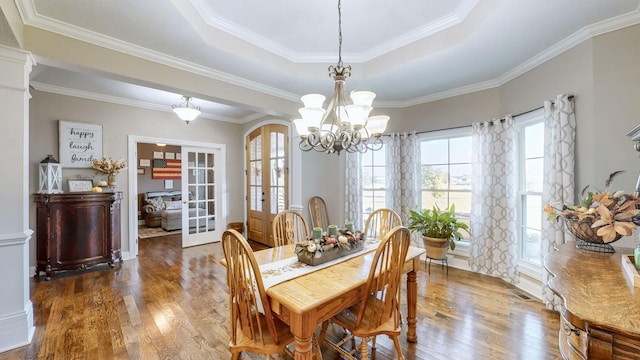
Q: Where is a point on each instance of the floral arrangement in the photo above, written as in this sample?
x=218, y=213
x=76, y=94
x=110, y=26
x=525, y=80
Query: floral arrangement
x=345, y=239
x=612, y=214
x=109, y=166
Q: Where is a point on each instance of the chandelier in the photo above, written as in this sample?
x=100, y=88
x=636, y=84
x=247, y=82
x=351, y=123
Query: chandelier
x=345, y=124
x=186, y=110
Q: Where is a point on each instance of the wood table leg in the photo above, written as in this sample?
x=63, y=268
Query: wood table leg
x=412, y=303
x=303, y=330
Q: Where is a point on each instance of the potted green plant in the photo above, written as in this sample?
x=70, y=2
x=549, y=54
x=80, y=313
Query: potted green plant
x=439, y=229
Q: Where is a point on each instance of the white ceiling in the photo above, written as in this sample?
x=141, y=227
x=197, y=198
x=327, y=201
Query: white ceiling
x=408, y=52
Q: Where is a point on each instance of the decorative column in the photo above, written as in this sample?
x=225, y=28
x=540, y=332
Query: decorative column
x=16, y=310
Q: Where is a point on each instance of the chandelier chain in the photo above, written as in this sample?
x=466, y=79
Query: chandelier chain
x=339, y=33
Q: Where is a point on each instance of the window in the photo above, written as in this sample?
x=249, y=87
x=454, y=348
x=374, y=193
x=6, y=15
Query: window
x=445, y=165
x=530, y=169
x=373, y=181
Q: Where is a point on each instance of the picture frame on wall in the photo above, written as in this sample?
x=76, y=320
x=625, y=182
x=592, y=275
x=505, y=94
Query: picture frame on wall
x=79, y=144
x=80, y=185
x=158, y=155
x=145, y=162
x=140, y=171
x=169, y=155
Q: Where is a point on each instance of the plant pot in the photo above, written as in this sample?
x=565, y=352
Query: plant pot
x=436, y=248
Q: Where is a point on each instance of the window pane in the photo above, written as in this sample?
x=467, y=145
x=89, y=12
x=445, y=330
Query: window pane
x=430, y=198
x=460, y=148
x=460, y=176
x=435, y=177
x=532, y=246
x=533, y=211
x=534, y=140
x=533, y=174
x=462, y=201
x=434, y=151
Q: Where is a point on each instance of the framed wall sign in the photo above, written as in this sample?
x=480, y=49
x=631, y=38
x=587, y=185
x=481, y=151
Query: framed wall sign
x=79, y=144
x=80, y=185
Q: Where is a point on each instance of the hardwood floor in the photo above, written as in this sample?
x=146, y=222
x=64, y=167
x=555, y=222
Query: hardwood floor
x=171, y=303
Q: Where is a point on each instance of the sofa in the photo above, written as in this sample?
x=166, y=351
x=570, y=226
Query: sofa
x=171, y=218
x=155, y=203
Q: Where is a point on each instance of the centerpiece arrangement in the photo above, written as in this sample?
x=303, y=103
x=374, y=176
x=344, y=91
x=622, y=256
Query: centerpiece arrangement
x=601, y=218
x=110, y=167
x=327, y=246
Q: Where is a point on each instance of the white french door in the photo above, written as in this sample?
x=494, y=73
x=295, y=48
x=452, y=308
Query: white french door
x=203, y=171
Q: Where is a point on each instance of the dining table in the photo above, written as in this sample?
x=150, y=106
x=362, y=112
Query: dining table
x=305, y=301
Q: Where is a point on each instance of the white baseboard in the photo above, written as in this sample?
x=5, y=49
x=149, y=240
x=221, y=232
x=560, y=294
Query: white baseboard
x=17, y=330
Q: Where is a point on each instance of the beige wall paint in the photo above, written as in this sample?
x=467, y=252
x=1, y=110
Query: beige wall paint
x=118, y=123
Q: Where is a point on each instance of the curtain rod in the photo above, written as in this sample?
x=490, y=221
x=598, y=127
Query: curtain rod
x=502, y=119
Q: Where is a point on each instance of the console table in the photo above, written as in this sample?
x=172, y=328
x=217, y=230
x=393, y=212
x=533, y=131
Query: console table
x=76, y=231
x=600, y=316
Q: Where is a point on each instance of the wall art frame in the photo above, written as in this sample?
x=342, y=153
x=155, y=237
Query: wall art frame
x=79, y=144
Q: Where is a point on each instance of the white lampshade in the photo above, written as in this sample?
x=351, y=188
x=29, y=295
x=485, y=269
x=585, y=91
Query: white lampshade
x=312, y=117
x=377, y=124
x=358, y=115
x=186, y=114
x=301, y=127
x=313, y=100
x=362, y=97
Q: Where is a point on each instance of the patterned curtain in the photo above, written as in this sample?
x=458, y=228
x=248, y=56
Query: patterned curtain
x=494, y=243
x=353, y=190
x=559, y=171
x=403, y=173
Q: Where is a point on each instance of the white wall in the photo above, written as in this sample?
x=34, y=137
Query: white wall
x=119, y=121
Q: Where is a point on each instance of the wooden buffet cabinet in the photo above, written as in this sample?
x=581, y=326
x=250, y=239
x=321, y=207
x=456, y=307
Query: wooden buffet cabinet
x=77, y=231
x=600, y=316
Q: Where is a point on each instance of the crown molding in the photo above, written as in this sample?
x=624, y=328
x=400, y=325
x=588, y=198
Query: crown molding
x=74, y=32
x=586, y=33
x=60, y=90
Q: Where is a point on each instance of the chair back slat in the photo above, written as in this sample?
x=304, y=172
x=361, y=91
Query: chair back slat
x=318, y=213
x=247, y=297
x=380, y=222
x=289, y=227
x=383, y=285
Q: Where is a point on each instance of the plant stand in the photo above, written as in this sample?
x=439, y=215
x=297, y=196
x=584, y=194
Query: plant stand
x=443, y=263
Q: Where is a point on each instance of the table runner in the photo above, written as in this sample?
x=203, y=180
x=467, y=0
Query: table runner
x=286, y=269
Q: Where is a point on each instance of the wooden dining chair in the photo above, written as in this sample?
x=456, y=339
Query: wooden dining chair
x=289, y=227
x=380, y=222
x=318, y=213
x=253, y=327
x=377, y=311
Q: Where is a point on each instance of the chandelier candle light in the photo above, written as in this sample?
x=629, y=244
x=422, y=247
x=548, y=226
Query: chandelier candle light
x=345, y=124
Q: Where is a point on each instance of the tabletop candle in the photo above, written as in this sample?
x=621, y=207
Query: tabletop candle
x=349, y=226
x=333, y=230
x=317, y=233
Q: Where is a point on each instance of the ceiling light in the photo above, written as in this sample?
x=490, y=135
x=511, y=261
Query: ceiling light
x=186, y=110
x=345, y=124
